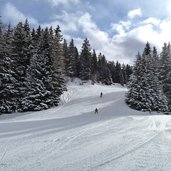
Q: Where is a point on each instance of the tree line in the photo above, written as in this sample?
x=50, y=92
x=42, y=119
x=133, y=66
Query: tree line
x=150, y=82
x=34, y=64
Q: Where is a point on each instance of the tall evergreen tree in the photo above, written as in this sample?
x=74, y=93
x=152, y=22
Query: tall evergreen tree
x=111, y=66
x=144, y=88
x=7, y=80
x=21, y=52
x=36, y=96
x=85, y=61
x=104, y=72
x=165, y=71
x=77, y=60
x=118, y=73
x=58, y=66
x=94, y=66
x=66, y=58
x=128, y=71
x=72, y=54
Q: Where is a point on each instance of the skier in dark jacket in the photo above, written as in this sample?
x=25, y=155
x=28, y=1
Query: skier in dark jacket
x=96, y=111
x=101, y=94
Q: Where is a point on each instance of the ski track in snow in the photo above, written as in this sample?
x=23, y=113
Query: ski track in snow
x=71, y=137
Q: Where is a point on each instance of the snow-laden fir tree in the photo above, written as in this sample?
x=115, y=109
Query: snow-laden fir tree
x=58, y=66
x=104, y=72
x=21, y=61
x=7, y=80
x=126, y=72
x=77, y=59
x=85, y=61
x=165, y=71
x=66, y=58
x=72, y=55
x=37, y=94
x=45, y=74
x=118, y=73
x=45, y=55
x=145, y=92
x=94, y=67
x=111, y=66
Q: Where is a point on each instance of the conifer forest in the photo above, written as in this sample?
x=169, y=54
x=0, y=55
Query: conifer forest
x=36, y=62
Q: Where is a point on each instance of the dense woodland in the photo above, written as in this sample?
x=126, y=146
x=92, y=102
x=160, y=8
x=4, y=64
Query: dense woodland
x=34, y=65
x=150, y=83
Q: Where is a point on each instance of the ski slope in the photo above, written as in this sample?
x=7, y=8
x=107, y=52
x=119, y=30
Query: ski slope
x=71, y=137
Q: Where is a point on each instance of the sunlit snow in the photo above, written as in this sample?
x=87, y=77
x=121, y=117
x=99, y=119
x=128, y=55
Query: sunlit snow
x=71, y=137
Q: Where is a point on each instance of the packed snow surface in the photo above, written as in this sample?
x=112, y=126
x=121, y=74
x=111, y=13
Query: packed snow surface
x=71, y=137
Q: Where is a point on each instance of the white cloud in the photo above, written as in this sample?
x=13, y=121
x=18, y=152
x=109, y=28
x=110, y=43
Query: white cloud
x=63, y=2
x=101, y=41
x=134, y=13
x=66, y=21
x=157, y=32
x=152, y=20
x=97, y=37
x=154, y=30
x=12, y=15
x=121, y=27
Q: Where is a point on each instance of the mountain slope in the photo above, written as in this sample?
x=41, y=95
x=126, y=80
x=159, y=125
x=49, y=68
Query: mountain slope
x=72, y=137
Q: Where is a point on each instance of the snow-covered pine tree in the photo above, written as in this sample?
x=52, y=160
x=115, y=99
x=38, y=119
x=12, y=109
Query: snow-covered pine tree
x=2, y=72
x=165, y=71
x=77, y=60
x=104, y=72
x=99, y=66
x=121, y=77
x=111, y=66
x=66, y=57
x=46, y=51
x=39, y=75
x=85, y=61
x=58, y=67
x=145, y=92
x=125, y=78
x=128, y=71
x=37, y=95
x=21, y=53
x=118, y=73
x=72, y=59
x=94, y=67
x=7, y=80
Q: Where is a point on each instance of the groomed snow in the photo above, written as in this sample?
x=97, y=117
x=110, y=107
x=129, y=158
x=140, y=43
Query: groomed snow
x=71, y=137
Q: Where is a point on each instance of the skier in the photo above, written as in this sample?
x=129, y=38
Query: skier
x=96, y=111
x=101, y=94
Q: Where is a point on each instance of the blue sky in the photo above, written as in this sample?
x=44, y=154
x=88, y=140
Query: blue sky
x=117, y=28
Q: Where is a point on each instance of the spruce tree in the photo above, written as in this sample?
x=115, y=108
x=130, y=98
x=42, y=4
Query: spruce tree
x=58, y=66
x=77, y=60
x=85, y=61
x=118, y=73
x=144, y=89
x=72, y=55
x=21, y=53
x=37, y=94
x=94, y=67
x=128, y=71
x=111, y=66
x=7, y=79
x=66, y=58
x=104, y=72
x=165, y=71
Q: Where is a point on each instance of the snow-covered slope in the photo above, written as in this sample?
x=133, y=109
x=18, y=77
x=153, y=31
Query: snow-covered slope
x=72, y=137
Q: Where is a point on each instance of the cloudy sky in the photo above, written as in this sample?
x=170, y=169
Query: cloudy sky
x=117, y=28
